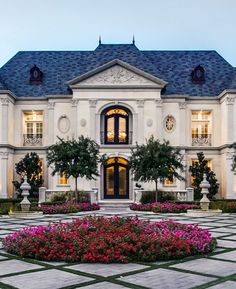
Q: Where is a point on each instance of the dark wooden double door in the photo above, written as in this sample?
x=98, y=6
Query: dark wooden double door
x=116, y=179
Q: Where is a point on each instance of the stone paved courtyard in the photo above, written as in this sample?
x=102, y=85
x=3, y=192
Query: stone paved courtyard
x=216, y=271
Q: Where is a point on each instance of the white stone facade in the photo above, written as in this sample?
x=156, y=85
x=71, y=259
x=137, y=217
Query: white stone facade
x=80, y=113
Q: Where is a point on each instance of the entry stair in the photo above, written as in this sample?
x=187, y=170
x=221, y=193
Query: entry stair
x=116, y=205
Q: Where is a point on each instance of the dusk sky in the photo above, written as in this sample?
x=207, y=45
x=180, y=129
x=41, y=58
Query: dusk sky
x=156, y=24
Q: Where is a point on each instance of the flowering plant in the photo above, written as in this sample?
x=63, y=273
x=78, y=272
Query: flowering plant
x=163, y=207
x=68, y=208
x=115, y=239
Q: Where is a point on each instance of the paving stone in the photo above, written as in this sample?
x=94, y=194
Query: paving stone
x=231, y=256
x=233, y=237
x=46, y=279
x=4, y=232
x=106, y=270
x=204, y=227
x=229, y=221
x=218, y=250
x=214, y=224
x=15, y=266
x=217, y=234
x=226, y=243
x=224, y=285
x=3, y=257
x=225, y=230
x=166, y=279
x=187, y=222
x=54, y=263
x=208, y=266
x=13, y=226
x=103, y=285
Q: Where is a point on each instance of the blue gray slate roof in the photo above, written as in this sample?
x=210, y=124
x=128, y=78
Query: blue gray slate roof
x=174, y=67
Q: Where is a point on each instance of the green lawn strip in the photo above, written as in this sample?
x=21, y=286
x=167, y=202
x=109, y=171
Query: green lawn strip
x=5, y=286
x=103, y=277
x=199, y=273
x=215, y=282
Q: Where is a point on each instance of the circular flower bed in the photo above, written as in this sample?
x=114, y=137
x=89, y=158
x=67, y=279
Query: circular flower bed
x=164, y=207
x=115, y=239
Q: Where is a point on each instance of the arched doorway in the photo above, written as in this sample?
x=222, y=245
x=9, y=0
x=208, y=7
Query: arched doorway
x=116, y=179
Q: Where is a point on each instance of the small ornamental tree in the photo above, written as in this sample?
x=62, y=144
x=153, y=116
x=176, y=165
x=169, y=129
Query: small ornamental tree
x=156, y=161
x=29, y=166
x=76, y=158
x=197, y=170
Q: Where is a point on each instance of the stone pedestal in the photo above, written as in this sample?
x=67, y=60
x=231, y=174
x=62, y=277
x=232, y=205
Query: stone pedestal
x=25, y=203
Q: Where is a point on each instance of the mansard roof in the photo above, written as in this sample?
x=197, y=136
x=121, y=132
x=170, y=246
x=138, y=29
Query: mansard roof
x=173, y=67
x=2, y=85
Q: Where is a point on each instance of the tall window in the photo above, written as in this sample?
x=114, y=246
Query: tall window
x=63, y=179
x=33, y=128
x=201, y=128
x=116, y=126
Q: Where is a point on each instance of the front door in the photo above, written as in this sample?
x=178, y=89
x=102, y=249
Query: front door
x=116, y=179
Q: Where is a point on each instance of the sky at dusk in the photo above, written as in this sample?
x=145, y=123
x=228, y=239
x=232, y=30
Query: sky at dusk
x=156, y=25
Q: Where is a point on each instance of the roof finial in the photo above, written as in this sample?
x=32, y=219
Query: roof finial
x=133, y=40
x=100, y=40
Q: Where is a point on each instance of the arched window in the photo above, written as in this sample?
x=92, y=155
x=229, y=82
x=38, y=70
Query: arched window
x=116, y=125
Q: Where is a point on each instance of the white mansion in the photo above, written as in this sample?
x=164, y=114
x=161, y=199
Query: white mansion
x=119, y=96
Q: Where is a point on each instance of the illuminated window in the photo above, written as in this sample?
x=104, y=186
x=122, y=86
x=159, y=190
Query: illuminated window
x=168, y=182
x=116, y=126
x=63, y=180
x=33, y=128
x=201, y=128
x=209, y=165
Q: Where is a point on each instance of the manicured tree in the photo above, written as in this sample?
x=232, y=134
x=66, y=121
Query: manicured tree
x=76, y=158
x=197, y=170
x=31, y=167
x=156, y=161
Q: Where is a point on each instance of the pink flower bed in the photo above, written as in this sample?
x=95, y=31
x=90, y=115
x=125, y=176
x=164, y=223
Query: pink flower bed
x=115, y=239
x=163, y=207
x=68, y=208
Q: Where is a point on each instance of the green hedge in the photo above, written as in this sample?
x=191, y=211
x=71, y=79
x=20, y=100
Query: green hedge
x=227, y=206
x=162, y=196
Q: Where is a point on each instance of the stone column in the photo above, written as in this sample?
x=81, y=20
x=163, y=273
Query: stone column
x=182, y=123
x=140, y=105
x=230, y=119
x=92, y=120
x=74, y=118
x=51, y=125
x=229, y=177
x=159, y=103
x=4, y=128
x=4, y=175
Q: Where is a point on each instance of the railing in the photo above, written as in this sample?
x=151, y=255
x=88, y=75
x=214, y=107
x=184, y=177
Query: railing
x=201, y=139
x=33, y=140
x=127, y=140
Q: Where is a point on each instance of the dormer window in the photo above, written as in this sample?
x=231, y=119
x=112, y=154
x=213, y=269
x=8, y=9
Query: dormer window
x=36, y=75
x=198, y=75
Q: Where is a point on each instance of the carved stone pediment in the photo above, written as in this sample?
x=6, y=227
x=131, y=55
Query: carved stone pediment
x=117, y=75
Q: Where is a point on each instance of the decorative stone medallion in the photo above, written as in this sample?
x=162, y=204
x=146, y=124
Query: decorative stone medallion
x=169, y=123
x=149, y=122
x=63, y=124
x=83, y=122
